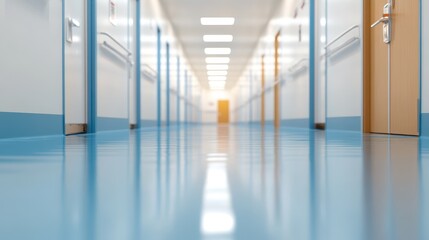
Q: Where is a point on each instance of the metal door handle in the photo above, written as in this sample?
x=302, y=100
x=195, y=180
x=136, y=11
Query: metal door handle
x=387, y=23
x=71, y=23
x=384, y=20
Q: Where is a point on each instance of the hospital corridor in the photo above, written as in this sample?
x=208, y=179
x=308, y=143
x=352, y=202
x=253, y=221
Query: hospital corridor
x=214, y=120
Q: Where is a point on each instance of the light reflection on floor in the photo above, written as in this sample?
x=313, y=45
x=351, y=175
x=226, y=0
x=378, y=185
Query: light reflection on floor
x=215, y=183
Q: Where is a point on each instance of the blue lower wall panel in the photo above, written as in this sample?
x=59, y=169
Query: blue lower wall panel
x=109, y=124
x=148, y=123
x=425, y=125
x=13, y=125
x=295, y=123
x=344, y=124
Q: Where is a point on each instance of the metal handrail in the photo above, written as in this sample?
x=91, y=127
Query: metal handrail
x=111, y=48
x=149, y=72
x=117, y=42
x=148, y=67
x=342, y=35
x=345, y=44
x=298, y=66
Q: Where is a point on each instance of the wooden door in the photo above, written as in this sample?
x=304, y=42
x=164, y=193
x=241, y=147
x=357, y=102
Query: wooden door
x=392, y=86
x=277, y=79
x=223, y=111
x=379, y=74
x=405, y=65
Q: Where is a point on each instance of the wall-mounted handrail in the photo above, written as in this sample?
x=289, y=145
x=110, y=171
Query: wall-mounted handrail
x=149, y=72
x=349, y=42
x=342, y=35
x=298, y=66
x=114, y=50
x=344, y=45
x=117, y=42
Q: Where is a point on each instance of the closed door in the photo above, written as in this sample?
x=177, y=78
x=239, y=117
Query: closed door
x=394, y=62
x=75, y=67
x=223, y=111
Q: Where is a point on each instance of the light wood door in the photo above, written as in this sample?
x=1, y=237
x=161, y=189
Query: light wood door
x=223, y=111
x=277, y=78
x=405, y=64
x=393, y=78
x=379, y=73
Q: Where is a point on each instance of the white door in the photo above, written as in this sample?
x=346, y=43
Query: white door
x=75, y=67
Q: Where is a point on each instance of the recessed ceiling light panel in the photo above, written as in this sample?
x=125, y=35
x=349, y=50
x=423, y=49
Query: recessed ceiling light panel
x=218, y=38
x=212, y=67
x=217, y=51
x=217, y=78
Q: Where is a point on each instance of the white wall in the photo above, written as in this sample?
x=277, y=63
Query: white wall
x=31, y=82
x=295, y=90
x=344, y=70
x=149, y=64
x=30, y=61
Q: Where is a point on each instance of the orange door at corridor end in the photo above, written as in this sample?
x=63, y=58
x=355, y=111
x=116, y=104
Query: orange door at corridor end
x=223, y=111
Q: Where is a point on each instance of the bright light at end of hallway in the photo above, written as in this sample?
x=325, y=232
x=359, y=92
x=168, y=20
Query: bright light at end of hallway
x=217, y=73
x=212, y=67
x=217, y=159
x=220, y=21
x=217, y=51
x=217, y=85
x=217, y=78
x=217, y=60
x=217, y=155
x=218, y=38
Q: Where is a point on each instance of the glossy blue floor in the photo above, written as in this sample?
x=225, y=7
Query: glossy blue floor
x=209, y=182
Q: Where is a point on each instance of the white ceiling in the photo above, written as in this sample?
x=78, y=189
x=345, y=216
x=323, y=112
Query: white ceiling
x=252, y=17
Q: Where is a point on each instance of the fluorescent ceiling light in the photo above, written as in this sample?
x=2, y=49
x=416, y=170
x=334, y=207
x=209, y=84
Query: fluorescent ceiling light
x=218, y=38
x=217, y=73
x=217, y=67
x=224, y=21
x=217, y=60
x=217, y=78
x=217, y=51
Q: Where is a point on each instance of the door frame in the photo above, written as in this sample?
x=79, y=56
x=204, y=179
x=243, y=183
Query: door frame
x=89, y=25
x=366, y=112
